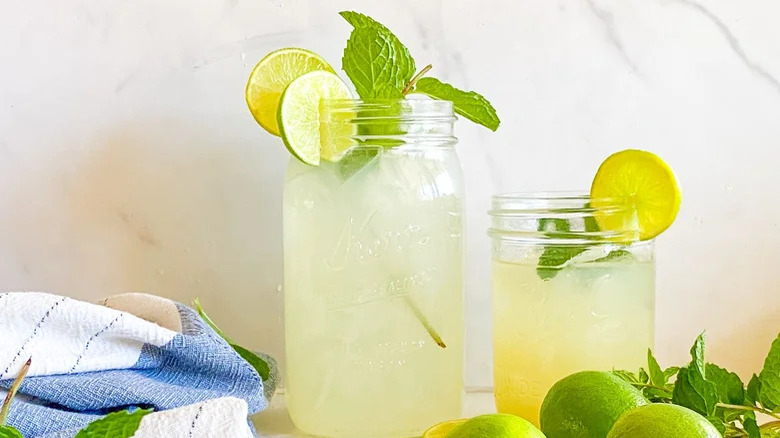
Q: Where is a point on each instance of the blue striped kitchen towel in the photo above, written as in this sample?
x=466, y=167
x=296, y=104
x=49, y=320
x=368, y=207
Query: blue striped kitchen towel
x=131, y=350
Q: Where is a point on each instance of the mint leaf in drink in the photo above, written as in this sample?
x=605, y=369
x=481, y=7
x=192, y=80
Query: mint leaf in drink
x=718, y=423
x=9, y=432
x=614, y=255
x=728, y=385
x=121, y=424
x=770, y=378
x=657, y=376
x=692, y=390
x=469, y=104
x=357, y=159
x=555, y=257
x=257, y=362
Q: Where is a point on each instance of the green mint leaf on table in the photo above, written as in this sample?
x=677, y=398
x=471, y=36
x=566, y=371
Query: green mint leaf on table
x=121, y=424
x=469, y=104
x=718, y=423
x=398, y=70
x=671, y=372
x=692, y=390
x=643, y=376
x=257, y=362
x=628, y=376
x=657, y=376
x=727, y=384
x=769, y=394
x=9, y=432
x=752, y=394
x=751, y=427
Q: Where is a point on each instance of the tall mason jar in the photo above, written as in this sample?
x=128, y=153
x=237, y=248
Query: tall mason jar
x=567, y=295
x=373, y=274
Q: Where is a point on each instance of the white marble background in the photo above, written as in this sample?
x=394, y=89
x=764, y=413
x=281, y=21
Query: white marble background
x=128, y=160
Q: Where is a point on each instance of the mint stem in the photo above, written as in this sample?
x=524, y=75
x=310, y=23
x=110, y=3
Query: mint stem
x=424, y=321
x=749, y=408
x=12, y=392
x=416, y=78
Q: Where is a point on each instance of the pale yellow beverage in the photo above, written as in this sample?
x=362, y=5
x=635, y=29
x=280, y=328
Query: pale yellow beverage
x=591, y=316
x=566, y=298
x=373, y=283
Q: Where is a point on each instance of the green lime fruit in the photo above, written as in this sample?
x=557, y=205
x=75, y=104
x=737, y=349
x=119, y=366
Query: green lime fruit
x=299, y=117
x=587, y=404
x=663, y=421
x=496, y=426
x=272, y=75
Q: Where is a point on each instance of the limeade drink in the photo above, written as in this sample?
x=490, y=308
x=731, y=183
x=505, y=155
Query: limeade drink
x=574, y=277
x=590, y=316
x=364, y=259
x=373, y=226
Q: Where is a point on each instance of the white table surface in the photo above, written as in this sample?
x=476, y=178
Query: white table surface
x=274, y=422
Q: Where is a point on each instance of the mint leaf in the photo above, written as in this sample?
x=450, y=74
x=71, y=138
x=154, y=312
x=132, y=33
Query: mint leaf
x=121, y=424
x=657, y=376
x=770, y=378
x=369, y=61
x=617, y=254
x=258, y=363
x=670, y=372
x=751, y=426
x=404, y=63
x=728, y=385
x=555, y=257
x=628, y=376
x=9, y=432
x=376, y=61
x=718, y=423
x=753, y=392
x=692, y=390
x=469, y=104
x=356, y=159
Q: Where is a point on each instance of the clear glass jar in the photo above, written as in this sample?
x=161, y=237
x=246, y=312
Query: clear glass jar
x=373, y=273
x=567, y=296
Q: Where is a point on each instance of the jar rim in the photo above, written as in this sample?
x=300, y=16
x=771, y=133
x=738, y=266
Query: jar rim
x=528, y=216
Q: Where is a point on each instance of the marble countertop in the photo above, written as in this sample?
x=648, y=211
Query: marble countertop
x=274, y=422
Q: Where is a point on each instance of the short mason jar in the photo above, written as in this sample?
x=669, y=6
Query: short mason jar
x=568, y=296
x=373, y=274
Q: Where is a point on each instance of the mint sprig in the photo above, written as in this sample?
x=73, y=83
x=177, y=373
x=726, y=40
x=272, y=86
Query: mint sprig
x=381, y=67
x=122, y=424
x=716, y=393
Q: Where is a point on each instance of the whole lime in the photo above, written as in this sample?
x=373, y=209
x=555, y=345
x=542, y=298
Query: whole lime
x=496, y=426
x=663, y=421
x=587, y=404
